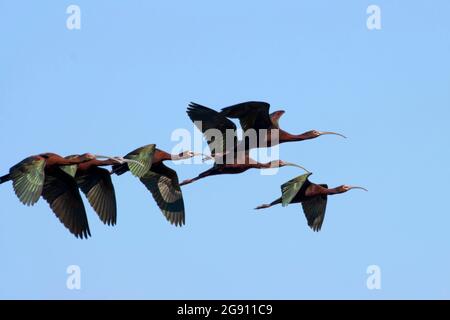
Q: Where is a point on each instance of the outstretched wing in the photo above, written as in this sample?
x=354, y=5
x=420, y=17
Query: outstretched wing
x=251, y=114
x=28, y=179
x=143, y=156
x=314, y=210
x=290, y=189
x=223, y=137
x=163, y=183
x=97, y=185
x=61, y=192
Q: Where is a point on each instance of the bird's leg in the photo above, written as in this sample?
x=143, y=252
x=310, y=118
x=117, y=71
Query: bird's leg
x=204, y=174
x=118, y=160
x=121, y=160
x=187, y=181
x=265, y=206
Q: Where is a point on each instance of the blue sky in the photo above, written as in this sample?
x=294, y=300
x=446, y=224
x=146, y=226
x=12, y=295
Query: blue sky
x=125, y=79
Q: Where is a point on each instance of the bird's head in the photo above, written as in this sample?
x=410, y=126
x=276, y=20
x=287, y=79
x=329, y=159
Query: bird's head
x=186, y=154
x=345, y=188
x=189, y=154
x=312, y=134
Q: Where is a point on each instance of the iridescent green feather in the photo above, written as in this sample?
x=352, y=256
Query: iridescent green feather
x=143, y=156
x=162, y=182
x=71, y=170
x=28, y=179
x=290, y=189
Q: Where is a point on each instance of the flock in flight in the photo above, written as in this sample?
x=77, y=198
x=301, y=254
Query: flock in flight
x=59, y=179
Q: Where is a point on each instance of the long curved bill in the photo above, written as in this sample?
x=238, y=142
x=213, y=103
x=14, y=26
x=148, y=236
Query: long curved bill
x=355, y=187
x=205, y=157
x=295, y=165
x=331, y=132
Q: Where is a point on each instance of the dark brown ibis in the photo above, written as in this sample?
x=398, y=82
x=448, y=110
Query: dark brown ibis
x=159, y=179
x=254, y=115
x=96, y=184
x=313, y=198
x=42, y=175
x=229, y=159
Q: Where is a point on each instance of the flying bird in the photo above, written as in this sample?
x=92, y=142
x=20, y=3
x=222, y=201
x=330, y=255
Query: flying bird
x=96, y=184
x=254, y=115
x=220, y=133
x=159, y=179
x=42, y=175
x=313, y=198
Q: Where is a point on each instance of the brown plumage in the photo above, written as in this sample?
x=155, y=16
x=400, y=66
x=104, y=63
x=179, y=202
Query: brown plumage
x=313, y=198
x=220, y=133
x=160, y=180
x=41, y=175
x=96, y=184
x=254, y=115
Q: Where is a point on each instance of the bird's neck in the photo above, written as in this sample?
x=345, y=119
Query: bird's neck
x=286, y=136
x=263, y=165
x=160, y=155
x=267, y=165
x=175, y=157
x=96, y=163
x=331, y=191
x=69, y=162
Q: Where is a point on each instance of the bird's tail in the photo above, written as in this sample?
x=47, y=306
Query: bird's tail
x=5, y=178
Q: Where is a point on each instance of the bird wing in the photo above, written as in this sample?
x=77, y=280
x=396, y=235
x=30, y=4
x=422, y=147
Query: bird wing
x=143, y=156
x=290, y=189
x=251, y=114
x=71, y=170
x=314, y=210
x=97, y=185
x=211, y=119
x=61, y=192
x=28, y=179
x=163, y=183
